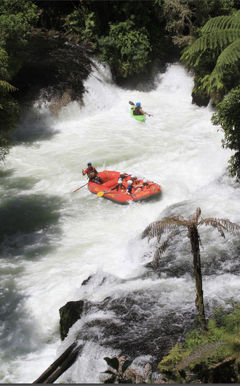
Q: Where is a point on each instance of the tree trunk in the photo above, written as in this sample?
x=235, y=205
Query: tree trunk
x=60, y=365
x=194, y=239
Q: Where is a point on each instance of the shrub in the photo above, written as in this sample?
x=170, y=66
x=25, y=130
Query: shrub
x=227, y=116
x=126, y=49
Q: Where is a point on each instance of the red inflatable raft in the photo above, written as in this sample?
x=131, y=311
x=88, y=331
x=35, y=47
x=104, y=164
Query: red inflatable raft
x=141, y=189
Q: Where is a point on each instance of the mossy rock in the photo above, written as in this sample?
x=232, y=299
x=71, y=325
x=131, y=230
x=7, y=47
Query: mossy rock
x=70, y=313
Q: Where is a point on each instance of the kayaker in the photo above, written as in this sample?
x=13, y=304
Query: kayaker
x=92, y=174
x=138, y=109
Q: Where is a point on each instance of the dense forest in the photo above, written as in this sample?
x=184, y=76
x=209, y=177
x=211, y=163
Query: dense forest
x=49, y=47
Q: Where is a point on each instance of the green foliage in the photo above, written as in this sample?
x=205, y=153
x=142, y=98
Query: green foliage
x=6, y=87
x=184, y=17
x=116, y=370
x=15, y=19
x=179, y=24
x=16, y=16
x=169, y=362
x=126, y=48
x=218, y=43
x=227, y=117
x=82, y=24
x=219, y=7
x=202, y=352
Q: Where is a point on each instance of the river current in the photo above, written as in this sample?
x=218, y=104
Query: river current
x=54, y=239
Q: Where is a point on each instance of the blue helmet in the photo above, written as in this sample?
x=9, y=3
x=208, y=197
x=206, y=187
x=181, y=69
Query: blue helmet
x=138, y=104
x=89, y=163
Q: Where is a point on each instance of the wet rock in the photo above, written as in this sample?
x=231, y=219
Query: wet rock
x=69, y=314
x=136, y=324
x=86, y=281
x=200, y=99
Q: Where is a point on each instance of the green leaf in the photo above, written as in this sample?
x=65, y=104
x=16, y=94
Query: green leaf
x=126, y=365
x=110, y=380
x=108, y=372
x=112, y=362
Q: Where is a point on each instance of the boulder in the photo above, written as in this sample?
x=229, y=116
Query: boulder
x=69, y=314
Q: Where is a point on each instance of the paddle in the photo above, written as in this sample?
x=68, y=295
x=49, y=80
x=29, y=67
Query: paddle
x=133, y=104
x=79, y=188
x=100, y=194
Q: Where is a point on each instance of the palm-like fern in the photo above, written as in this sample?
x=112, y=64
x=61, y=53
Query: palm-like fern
x=220, y=38
x=6, y=87
x=157, y=228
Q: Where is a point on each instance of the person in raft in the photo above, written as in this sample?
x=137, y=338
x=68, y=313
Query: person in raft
x=140, y=186
x=120, y=185
x=92, y=174
x=129, y=187
x=138, y=109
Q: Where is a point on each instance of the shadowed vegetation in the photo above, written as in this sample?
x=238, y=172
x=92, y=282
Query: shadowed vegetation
x=211, y=358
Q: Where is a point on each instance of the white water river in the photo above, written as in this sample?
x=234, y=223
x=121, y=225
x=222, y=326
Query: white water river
x=54, y=239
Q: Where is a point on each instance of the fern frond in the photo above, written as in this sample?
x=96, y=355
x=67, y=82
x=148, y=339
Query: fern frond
x=229, y=56
x=162, y=248
x=212, y=83
x=218, y=39
x=148, y=229
x=5, y=86
x=221, y=225
x=158, y=227
x=207, y=349
x=222, y=22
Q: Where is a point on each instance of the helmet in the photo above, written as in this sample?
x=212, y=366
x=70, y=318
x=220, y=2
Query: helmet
x=138, y=104
x=129, y=182
x=89, y=163
x=134, y=177
x=144, y=180
x=120, y=180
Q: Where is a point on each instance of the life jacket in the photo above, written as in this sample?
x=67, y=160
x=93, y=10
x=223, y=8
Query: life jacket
x=91, y=172
x=137, y=110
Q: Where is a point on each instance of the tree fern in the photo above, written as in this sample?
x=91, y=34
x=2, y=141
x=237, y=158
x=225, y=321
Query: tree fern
x=229, y=56
x=157, y=228
x=219, y=44
x=217, y=40
x=222, y=22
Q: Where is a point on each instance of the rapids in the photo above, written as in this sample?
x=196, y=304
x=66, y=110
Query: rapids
x=54, y=239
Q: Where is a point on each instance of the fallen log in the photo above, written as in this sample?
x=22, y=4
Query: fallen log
x=60, y=365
